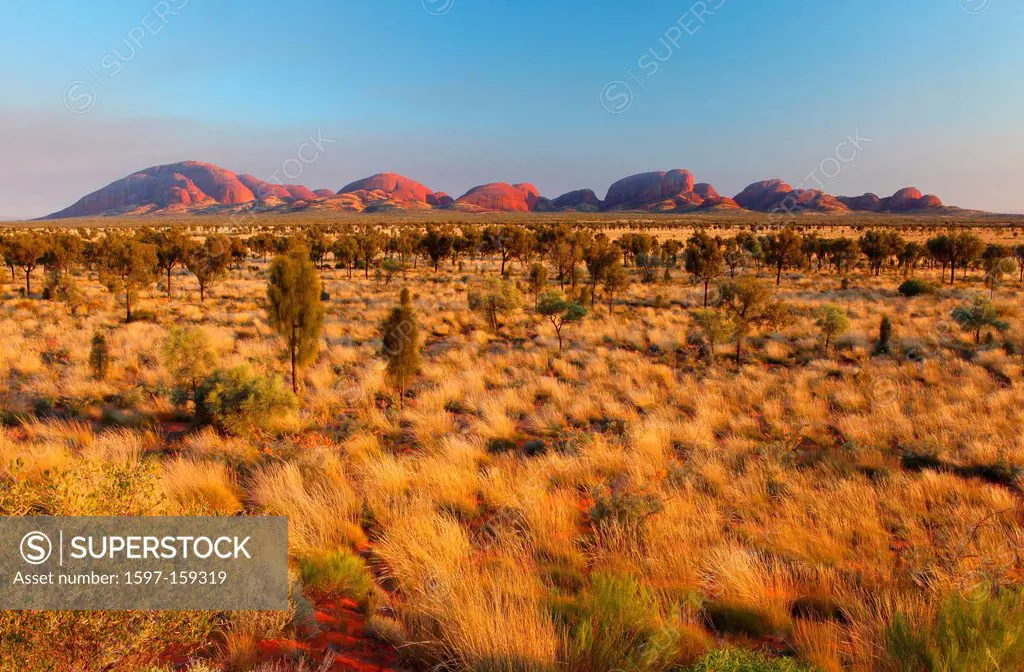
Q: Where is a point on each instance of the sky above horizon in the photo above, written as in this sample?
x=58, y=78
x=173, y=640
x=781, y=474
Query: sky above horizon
x=565, y=94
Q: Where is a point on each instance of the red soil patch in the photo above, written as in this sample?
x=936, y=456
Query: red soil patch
x=343, y=634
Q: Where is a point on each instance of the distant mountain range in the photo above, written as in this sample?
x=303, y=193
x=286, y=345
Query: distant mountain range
x=192, y=187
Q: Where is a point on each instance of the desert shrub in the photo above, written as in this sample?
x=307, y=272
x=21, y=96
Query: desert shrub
x=832, y=321
x=106, y=488
x=739, y=660
x=915, y=287
x=144, y=315
x=64, y=288
x=339, y=573
x=982, y=631
x=623, y=510
x=735, y=619
x=400, y=344
x=238, y=398
x=978, y=315
x=618, y=624
x=99, y=356
x=884, y=343
x=55, y=356
x=534, y=448
x=90, y=641
x=188, y=356
x=499, y=445
x=494, y=300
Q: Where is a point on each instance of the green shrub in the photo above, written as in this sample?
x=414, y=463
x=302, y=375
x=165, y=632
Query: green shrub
x=141, y=315
x=982, y=631
x=188, y=356
x=739, y=660
x=499, y=445
x=624, y=510
x=915, y=287
x=339, y=573
x=238, y=398
x=734, y=619
x=619, y=624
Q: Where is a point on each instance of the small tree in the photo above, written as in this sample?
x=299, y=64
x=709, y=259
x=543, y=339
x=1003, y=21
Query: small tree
x=209, y=262
x=716, y=327
x=346, y=251
x=99, y=356
x=389, y=268
x=750, y=305
x=126, y=266
x=832, y=321
x=879, y=246
x=65, y=289
x=599, y=257
x=497, y=297
x=499, y=240
x=26, y=251
x=704, y=260
x=438, y=244
x=980, y=314
x=560, y=312
x=538, y=279
x=188, y=357
x=995, y=270
x=294, y=307
x=616, y=280
x=400, y=344
x=172, y=250
x=782, y=249
x=369, y=243
x=64, y=250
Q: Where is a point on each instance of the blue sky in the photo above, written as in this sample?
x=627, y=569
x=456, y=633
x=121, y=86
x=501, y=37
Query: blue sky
x=458, y=92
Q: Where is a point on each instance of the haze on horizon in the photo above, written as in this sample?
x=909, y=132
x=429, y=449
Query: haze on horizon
x=566, y=95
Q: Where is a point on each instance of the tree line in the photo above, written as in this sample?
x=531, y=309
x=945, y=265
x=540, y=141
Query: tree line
x=591, y=265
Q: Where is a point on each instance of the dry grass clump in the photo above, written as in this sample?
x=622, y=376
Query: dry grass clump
x=200, y=488
x=321, y=507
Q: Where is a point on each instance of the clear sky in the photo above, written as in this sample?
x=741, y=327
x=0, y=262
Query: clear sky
x=458, y=92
